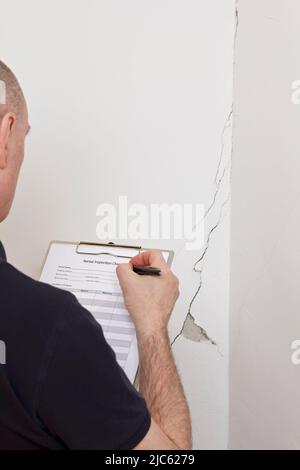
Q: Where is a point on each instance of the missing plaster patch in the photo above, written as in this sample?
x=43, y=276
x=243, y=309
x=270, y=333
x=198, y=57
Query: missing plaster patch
x=195, y=332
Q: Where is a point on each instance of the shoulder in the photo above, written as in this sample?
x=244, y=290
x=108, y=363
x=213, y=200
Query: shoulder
x=22, y=295
x=36, y=316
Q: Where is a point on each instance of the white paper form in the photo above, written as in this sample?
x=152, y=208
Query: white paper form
x=93, y=280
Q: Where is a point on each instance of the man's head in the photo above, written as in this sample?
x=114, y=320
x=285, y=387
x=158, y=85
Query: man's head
x=13, y=130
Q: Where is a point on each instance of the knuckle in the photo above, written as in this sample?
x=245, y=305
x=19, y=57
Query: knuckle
x=175, y=280
x=119, y=269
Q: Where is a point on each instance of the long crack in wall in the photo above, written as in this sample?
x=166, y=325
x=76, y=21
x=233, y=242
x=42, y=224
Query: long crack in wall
x=190, y=329
x=213, y=217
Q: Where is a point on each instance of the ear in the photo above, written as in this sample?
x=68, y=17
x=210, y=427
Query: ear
x=6, y=127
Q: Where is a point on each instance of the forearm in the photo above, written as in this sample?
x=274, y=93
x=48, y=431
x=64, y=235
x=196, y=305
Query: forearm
x=161, y=387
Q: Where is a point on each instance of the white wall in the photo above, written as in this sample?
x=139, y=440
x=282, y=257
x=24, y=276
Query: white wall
x=132, y=98
x=265, y=255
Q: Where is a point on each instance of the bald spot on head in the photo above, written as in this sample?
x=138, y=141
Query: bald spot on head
x=14, y=99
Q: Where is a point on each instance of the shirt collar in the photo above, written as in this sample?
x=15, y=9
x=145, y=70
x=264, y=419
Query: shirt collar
x=2, y=252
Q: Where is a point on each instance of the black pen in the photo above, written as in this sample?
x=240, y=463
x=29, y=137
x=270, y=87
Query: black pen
x=146, y=270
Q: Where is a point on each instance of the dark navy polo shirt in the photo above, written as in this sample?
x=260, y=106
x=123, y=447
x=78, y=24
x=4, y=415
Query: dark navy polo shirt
x=60, y=386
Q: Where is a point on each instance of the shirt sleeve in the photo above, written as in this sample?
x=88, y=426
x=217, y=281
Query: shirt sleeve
x=86, y=400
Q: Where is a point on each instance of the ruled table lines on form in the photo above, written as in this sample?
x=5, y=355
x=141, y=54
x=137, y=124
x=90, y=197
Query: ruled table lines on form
x=93, y=281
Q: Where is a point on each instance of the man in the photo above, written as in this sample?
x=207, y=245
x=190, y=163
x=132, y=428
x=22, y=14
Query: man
x=61, y=386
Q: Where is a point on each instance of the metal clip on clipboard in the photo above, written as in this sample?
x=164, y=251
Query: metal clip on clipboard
x=169, y=258
x=110, y=244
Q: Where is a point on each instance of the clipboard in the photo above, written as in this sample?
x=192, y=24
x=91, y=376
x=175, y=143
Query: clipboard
x=87, y=270
x=79, y=246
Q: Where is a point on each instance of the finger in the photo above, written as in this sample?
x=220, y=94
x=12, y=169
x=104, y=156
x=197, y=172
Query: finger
x=124, y=270
x=150, y=258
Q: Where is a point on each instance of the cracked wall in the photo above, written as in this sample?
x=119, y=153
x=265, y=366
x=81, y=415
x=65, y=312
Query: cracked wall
x=158, y=104
x=201, y=341
x=213, y=217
